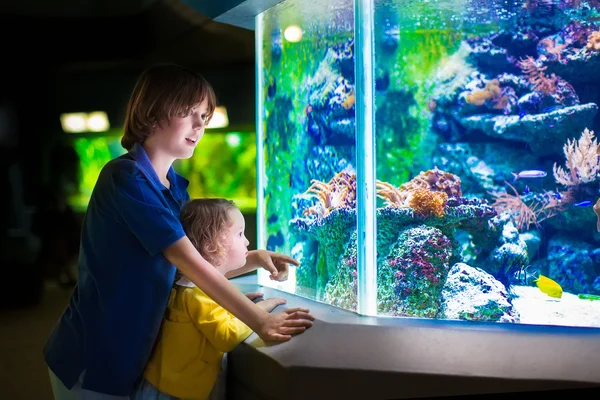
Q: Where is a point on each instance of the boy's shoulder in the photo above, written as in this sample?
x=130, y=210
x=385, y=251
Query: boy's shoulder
x=124, y=163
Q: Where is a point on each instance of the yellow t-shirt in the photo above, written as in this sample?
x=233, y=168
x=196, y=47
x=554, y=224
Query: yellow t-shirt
x=195, y=334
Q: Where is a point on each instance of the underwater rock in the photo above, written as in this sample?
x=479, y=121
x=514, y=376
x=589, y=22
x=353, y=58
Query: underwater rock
x=573, y=62
x=302, y=201
x=595, y=256
x=473, y=294
x=276, y=45
x=596, y=285
x=489, y=58
x=332, y=233
x=483, y=167
x=569, y=263
x=544, y=133
x=342, y=288
x=519, y=43
x=578, y=221
x=506, y=260
x=275, y=241
x=323, y=162
x=390, y=37
x=416, y=269
x=533, y=240
x=331, y=98
x=305, y=251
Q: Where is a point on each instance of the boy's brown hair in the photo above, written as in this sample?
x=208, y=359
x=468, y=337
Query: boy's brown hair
x=205, y=221
x=161, y=92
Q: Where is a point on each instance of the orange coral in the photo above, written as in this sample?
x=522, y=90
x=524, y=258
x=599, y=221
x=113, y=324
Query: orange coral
x=433, y=180
x=426, y=202
x=491, y=90
x=541, y=83
x=436, y=180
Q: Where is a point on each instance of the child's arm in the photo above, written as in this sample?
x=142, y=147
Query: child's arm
x=222, y=330
x=277, y=326
x=275, y=263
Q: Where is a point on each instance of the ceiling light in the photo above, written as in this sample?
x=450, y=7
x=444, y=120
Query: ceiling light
x=219, y=118
x=293, y=33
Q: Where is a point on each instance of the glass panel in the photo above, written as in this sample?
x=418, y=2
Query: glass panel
x=306, y=55
x=487, y=164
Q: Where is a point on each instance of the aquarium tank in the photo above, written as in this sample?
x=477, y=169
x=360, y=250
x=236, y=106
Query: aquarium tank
x=232, y=174
x=433, y=158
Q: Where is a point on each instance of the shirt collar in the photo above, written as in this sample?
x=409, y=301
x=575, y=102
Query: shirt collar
x=178, y=183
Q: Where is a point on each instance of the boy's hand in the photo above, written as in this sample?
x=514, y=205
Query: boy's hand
x=280, y=326
x=275, y=263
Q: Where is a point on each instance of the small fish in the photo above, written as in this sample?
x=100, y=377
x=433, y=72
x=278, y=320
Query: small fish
x=549, y=286
x=432, y=106
x=529, y=174
x=585, y=203
x=557, y=195
x=527, y=191
x=585, y=296
x=550, y=109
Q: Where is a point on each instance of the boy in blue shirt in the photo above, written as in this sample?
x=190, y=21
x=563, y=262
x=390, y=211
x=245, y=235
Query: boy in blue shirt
x=132, y=240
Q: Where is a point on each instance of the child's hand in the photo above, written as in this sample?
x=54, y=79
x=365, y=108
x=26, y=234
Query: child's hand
x=254, y=295
x=275, y=263
x=270, y=304
x=280, y=326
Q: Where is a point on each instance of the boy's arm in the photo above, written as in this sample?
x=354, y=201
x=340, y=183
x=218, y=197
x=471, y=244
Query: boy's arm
x=221, y=329
x=276, y=326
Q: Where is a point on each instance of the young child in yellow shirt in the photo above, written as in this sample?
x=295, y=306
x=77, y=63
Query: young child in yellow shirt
x=196, y=331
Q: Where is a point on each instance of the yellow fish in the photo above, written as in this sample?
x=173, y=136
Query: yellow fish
x=548, y=286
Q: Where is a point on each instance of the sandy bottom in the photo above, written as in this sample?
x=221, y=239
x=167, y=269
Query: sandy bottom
x=538, y=308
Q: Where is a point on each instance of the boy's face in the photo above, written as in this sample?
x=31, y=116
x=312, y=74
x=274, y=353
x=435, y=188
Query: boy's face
x=178, y=139
x=237, y=244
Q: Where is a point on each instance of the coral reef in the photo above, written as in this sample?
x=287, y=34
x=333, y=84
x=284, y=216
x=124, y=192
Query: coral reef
x=416, y=269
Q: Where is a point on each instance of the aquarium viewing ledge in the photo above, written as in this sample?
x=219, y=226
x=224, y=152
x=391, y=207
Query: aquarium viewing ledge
x=348, y=356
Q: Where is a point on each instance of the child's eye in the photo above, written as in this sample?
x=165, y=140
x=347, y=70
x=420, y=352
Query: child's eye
x=241, y=234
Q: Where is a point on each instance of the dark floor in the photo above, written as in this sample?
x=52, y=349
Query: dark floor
x=23, y=332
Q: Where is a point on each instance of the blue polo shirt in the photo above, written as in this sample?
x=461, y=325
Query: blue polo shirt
x=112, y=320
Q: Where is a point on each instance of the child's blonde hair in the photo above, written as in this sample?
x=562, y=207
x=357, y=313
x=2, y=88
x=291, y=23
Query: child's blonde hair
x=205, y=222
x=161, y=92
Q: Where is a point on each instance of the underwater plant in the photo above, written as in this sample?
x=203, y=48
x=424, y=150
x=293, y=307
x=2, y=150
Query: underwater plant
x=581, y=161
x=339, y=192
x=536, y=76
x=537, y=208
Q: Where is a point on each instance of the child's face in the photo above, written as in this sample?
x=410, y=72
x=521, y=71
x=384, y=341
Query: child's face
x=178, y=139
x=237, y=243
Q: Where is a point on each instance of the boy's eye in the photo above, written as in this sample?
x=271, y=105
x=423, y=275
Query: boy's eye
x=240, y=234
